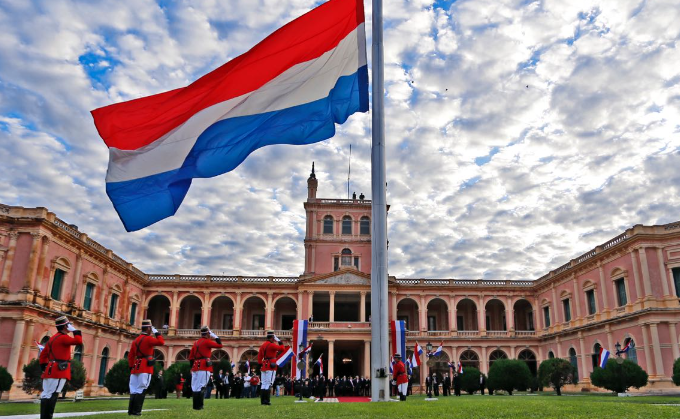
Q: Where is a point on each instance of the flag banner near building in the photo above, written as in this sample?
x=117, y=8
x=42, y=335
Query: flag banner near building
x=299, y=339
x=415, y=358
x=409, y=367
x=40, y=347
x=460, y=368
x=233, y=366
x=285, y=357
x=625, y=348
x=319, y=362
x=604, y=356
x=437, y=351
x=248, y=367
x=398, y=337
x=291, y=88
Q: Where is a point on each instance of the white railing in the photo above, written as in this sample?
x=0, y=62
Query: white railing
x=525, y=333
x=223, y=332
x=254, y=333
x=468, y=333
x=67, y=228
x=414, y=333
x=319, y=325
x=189, y=332
x=497, y=333
x=438, y=333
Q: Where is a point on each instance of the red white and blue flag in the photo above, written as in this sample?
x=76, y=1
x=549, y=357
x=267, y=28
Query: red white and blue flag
x=409, y=367
x=40, y=347
x=285, y=357
x=437, y=351
x=398, y=335
x=319, y=362
x=415, y=358
x=299, y=339
x=291, y=88
x=604, y=356
x=248, y=367
x=391, y=364
x=460, y=368
x=233, y=365
x=625, y=348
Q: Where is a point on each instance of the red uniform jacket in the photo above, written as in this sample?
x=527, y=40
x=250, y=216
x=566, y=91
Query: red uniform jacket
x=399, y=373
x=200, y=354
x=140, y=351
x=267, y=355
x=58, y=348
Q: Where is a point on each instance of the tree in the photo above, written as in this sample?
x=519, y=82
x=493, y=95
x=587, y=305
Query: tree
x=469, y=381
x=676, y=372
x=117, y=379
x=555, y=372
x=6, y=380
x=619, y=377
x=508, y=375
x=33, y=381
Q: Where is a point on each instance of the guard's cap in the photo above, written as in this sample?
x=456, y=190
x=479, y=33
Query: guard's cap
x=397, y=355
x=146, y=323
x=205, y=329
x=270, y=334
x=61, y=321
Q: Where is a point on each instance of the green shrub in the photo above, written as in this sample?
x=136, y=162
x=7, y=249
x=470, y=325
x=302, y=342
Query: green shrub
x=33, y=383
x=619, y=377
x=172, y=373
x=117, y=379
x=469, y=381
x=509, y=375
x=676, y=372
x=6, y=380
x=555, y=372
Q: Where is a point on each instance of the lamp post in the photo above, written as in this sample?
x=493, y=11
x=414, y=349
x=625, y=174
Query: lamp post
x=300, y=364
x=428, y=347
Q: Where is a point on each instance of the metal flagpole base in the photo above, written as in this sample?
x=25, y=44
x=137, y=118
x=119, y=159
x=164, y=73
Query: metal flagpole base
x=431, y=399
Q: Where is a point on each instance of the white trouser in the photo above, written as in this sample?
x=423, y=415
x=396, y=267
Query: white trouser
x=199, y=379
x=139, y=382
x=267, y=379
x=402, y=388
x=51, y=386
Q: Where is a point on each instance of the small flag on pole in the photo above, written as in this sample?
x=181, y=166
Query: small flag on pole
x=415, y=358
x=40, y=347
x=285, y=357
x=319, y=362
x=604, y=356
x=398, y=331
x=248, y=366
x=437, y=351
x=299, y=339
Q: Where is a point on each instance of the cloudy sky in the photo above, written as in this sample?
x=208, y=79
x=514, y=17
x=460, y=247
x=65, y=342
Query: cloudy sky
x=519, y=133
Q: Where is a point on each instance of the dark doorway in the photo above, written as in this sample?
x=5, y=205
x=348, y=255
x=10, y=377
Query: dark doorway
x=287, y=321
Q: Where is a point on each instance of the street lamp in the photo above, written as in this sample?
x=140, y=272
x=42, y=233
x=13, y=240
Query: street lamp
x=428, y=347
x=300, y=365
x=619, y=359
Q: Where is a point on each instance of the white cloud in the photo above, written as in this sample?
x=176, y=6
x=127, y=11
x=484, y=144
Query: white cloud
x=519, y=134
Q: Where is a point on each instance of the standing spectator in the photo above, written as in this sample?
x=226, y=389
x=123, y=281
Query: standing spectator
x=254, y=385
x=482, y=383
x=456, y=384
x=446, y=385
x=428, y=386
x=237, y=386
x=435, y=384
x=179, y=385
x=246, y=386
x=218, y=380
x=209, y=386
x=160, y=385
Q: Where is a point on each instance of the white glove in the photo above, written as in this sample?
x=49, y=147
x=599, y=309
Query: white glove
x=70, y=328
x=154, y=330
x=212, y=335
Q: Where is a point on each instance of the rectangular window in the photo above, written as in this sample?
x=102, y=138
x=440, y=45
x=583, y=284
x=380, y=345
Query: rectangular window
x=228, y=322
x=676, y=280
x=56, y=284
x=567, y=310
x=133, y=313
x=114, y=305
x=336, y=263
x=590, y=298
x=530, y=320
x=258, y=321
x=89, y=292
x=546, y=316
x=621, y=292
x=431, y=323
x=328, y=225
x=460, y=323
x=356, y=262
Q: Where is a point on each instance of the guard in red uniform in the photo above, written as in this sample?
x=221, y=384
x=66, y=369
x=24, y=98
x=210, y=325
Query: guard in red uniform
x=55, y=362
x=201, y=366
x=269, y=352
x=141, y=362
x=400, y=376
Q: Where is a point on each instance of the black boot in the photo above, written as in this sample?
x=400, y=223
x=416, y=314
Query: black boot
x=201, y=399
x=268, y=398
x=131, y=405
x=52, y=405
x=197, y=405
x=139, y=404
x=44, y=408
x=262, y=397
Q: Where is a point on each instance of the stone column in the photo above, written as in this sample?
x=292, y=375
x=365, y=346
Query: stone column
x=77, y=280
x=367, y=358
x=393, y=297
x=269, y=313
x=238, y=310
x=556, y=312
x=604, y=287
x=577, y=296
x=453, y=326
x=331, y=309
x=331, y=359
x=362, y=307
x=26, y=350
x=662, y=270
x=13, y=366
x=4, y=281
x=510, y=316
x=102, y=293
x=585, y=377
x=481, y=317
x=119, y=347
x=484, y=362
x=648, y=350
x=658, y=360
x=32, y=262
x=636, y=274
x=37, y=278
x=559, y=347
x=310, y=303
x=95, y=355
x=610, y=338
x=174, y=311
x=540, y=355
x=171, y=355
x=422, y=319
x=645, y=273
x=299, y=305
x=674, y=340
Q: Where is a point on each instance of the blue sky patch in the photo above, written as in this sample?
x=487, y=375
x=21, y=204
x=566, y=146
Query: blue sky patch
x=481, y=161
x=98, y=67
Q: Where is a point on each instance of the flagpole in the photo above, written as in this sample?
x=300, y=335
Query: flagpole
x=379, y=317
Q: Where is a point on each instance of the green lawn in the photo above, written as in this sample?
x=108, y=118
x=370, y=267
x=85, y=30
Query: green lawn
x=517, y=406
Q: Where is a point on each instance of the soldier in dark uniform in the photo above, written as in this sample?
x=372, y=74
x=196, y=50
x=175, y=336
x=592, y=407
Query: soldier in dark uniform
x=435, y=384
x=446, y=385
x=456, y=384
x=55, y=363
x=428, y=386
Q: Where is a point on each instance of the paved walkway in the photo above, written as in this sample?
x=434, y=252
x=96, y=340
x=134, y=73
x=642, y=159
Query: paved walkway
x=71, y=414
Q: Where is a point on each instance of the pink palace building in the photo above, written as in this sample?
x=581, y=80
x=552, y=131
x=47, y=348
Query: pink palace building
x=626, y=289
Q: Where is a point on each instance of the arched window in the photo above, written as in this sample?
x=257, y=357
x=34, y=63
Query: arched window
x=103, y=366
x=631, y=355
x=596, y=355
x=78, y=353
x=113, y=306
x=57, y=282
x=159, y=357
x=346, y=224
x=574, y=363
x=183, y=356
x=530, y=359
x=469, y=359
x=346, y=259
x=365, y=226
x=328, y=224
x=551, y=355
x=496, y=355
